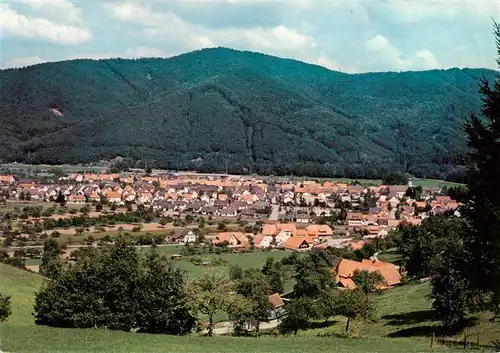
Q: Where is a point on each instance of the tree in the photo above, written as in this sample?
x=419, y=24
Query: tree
x=255, y=289
x=449, y=289
x=482, y=245
x=211, y=295
x=368, y=282
x=235, y=272
x=5, y=307
x=327, y=304
x=113, y=207
x=355, y=304
x=163, y=299
x=277, y=277
x=163, y=221
x=85, y=210
x=395, y=179
x=240, y=313
x=222, y=227
x=60, y=198
x=268, y=265
x=457, y=285
x=299, y=313
x=98, y=207
x=117, y=288
x=420, y=247
x=50, y=265
x=313, y=274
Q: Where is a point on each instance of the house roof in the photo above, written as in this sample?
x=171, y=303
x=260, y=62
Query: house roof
x=268, y=229
x=345, y=269
x=356, y=245
x=347, y=283
x=296, y=242
x=227, y=236
x=276, y=301
x=113, y=195
x=319, y=229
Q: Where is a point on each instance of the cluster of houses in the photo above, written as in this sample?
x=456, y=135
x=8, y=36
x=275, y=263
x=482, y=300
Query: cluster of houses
x=290, y=210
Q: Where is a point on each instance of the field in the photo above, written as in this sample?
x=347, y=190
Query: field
x=245, y=261
x=20, y=334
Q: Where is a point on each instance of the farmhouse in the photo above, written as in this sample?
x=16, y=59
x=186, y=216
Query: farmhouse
x=233, y=239
x=344, y=271
x=185, y=236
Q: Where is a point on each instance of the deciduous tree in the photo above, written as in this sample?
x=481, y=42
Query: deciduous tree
x=50, y=265
x=355, y=304
x=298, y=314
x=369, y=282
x=211, y=295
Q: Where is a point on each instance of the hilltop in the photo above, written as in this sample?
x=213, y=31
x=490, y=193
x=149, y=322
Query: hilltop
x=249, y=112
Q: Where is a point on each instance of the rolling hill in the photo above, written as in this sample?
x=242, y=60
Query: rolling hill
x=20, y=334
x=219, y=108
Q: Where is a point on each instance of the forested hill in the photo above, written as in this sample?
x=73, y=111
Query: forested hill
x=214, y=108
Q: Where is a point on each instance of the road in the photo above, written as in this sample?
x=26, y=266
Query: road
x=275, y=212
x=223, y=328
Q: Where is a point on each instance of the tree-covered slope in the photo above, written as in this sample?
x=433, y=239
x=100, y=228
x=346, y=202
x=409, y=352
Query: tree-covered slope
x=214, y=108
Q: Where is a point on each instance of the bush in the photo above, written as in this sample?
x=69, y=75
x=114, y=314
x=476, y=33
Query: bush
x=197, y=260
x=218, y=261
x=5, y=307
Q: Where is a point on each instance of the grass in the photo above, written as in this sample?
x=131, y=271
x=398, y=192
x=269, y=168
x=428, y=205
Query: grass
x=433, y=183
x=406, y=312
x=244, y=260
x=20, y=334
x=390, y=255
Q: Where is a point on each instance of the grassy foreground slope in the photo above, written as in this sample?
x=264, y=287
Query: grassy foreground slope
x=20, y=334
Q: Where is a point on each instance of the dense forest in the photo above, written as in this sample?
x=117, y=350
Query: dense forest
x=219, y=109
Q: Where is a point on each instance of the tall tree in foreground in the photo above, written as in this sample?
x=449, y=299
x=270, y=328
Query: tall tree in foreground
x=466, y=273
x=483, y=206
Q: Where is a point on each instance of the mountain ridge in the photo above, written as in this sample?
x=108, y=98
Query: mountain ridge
x=214, y=108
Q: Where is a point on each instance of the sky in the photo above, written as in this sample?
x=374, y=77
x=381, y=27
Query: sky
x=345, y=35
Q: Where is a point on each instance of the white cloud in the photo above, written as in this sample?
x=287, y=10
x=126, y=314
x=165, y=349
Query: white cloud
x=135, y=12
x=322, y=60
x=388, y=55
x=19, y=25
x=147, y=52
x=62, y=10
x=414, y=10
x=427, y=59
x=26, y=61
x=277, y=40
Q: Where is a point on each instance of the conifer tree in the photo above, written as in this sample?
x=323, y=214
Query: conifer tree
x=483, y=205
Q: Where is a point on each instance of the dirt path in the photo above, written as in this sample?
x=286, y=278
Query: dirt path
x=223, y=328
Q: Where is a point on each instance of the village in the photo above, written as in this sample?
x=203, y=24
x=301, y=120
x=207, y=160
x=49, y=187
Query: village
x=251, y=213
